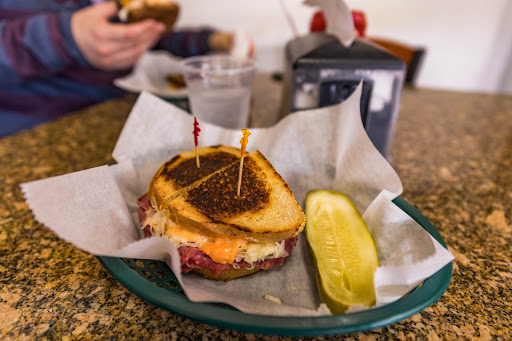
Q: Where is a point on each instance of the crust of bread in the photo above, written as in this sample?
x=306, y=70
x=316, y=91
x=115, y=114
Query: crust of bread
x=265, y=211
x=227, y=275
x=166, y=13
x=182, y=171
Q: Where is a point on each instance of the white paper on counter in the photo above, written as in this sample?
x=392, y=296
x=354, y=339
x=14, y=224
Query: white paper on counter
x=326, y=148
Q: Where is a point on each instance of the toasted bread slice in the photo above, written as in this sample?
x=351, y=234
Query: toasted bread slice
x=136, y=10
x=181, y=171
x=265, y=211
x=227, y=275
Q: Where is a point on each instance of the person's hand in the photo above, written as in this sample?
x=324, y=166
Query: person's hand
x=221, y=41
x=112, y=46
x=238, y=45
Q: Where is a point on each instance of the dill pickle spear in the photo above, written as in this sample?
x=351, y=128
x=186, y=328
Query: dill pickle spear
x=343, y=251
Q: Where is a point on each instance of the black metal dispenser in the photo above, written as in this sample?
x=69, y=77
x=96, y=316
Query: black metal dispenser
x=320, y=71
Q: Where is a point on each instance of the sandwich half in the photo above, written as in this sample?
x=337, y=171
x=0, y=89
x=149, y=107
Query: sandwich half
x=165, y=11
x=219, y=234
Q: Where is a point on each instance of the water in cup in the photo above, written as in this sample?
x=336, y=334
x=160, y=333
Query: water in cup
x=230, y=107
x=219, y=89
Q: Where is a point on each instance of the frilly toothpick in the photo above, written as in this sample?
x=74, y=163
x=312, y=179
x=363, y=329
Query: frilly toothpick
x=243, y=143
x=196, y=135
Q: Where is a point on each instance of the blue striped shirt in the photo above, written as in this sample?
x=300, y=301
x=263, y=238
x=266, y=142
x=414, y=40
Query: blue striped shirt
x=43, y=74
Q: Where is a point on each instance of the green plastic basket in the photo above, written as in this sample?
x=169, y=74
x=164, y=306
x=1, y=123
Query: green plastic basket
x=155, y=282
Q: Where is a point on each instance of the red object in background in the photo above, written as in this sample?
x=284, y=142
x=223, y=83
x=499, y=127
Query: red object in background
x=359, y=22
x=319, y=24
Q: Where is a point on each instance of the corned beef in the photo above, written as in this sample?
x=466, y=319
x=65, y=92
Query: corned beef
x=194, y=258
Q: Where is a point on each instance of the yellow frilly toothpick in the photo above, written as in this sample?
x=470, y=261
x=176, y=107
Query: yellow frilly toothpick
x=243, y=142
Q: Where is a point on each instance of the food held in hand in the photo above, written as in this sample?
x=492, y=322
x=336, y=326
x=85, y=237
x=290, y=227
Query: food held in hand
x=165, y=11
x=343, y=251
x=219, y=234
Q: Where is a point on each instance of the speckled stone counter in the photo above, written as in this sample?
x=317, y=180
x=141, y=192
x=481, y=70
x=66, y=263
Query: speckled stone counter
x=453, y=152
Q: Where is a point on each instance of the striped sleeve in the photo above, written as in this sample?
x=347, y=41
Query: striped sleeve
x=186, y=43
x=37, y=46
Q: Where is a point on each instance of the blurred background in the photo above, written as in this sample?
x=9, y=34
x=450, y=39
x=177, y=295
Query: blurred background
x=467, y=44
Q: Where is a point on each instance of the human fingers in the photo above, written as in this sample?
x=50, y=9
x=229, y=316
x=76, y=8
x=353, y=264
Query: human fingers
x=142, y=42
x=221, y=41
x=130, y=32
x=128, y=55
x=102, y=42
x=104, y=10
x=125, y=58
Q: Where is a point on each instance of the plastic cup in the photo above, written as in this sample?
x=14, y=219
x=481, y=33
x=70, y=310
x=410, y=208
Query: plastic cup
x=219, y=89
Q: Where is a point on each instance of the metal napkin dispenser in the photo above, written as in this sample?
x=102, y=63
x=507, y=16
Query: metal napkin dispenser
x=320, y=71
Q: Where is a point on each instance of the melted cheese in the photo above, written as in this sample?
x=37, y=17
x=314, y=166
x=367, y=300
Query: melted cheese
x=223, y=250
x=186, y=235
x=220, y=250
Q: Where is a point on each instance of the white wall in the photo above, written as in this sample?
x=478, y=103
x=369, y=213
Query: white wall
x=263, y=20
x=468, y=42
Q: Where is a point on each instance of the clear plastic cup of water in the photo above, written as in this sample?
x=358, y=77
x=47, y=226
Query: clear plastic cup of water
x=219, y=89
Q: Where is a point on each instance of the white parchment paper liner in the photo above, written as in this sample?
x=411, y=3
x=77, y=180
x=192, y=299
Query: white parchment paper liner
x=95, y=209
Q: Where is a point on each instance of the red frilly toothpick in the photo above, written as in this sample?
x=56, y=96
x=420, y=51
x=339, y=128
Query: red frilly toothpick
x=196, y=135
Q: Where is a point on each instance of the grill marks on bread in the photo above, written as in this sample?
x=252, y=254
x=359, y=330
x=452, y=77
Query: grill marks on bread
x=187, y=172
x=181, y=171
x=217, y=198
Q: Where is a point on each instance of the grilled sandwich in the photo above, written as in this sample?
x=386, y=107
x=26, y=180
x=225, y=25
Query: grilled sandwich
x=219, y=234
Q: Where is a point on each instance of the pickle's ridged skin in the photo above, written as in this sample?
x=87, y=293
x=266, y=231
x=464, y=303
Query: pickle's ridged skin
x=342, y=249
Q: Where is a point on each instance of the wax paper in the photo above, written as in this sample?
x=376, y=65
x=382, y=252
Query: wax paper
x=326, y=148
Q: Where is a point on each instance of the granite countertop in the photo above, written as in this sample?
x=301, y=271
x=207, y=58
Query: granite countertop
x=453, y=152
